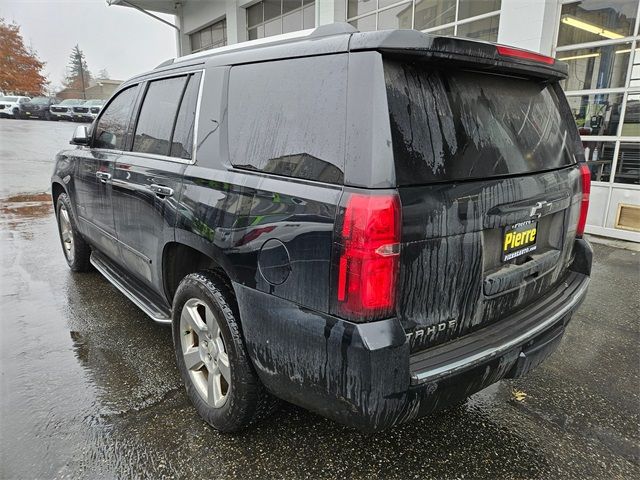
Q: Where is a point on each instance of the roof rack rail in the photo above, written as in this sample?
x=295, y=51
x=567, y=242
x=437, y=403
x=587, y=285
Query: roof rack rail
x=321, y=31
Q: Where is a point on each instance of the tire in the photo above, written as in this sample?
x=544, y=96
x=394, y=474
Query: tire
x=76, y=250
x=47, y=116
x=16, y=114
x=220, y=380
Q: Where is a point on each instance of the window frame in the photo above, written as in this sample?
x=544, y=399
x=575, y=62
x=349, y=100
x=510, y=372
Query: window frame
x=138, y=108
x=304, y=4
x=222, y=20
x=231, y=166
x=102, y=113
x=454, y=24
x=624, y=90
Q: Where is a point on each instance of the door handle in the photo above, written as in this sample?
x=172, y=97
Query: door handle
x=103, y=176
x=161, y=190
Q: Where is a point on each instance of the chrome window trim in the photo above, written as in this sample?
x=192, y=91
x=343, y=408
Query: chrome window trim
x=155, y=156
x=167, y=158
x=196, y=124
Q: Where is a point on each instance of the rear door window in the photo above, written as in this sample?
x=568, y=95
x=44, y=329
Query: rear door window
x=157, y=116
x=111, y=128
x=288, y=117
x=182, y=143
x=452, y=124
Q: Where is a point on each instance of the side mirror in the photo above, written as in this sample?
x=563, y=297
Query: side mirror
x=80, y=136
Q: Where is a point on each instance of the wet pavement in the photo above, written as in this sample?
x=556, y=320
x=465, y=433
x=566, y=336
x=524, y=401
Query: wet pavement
x=88, y=385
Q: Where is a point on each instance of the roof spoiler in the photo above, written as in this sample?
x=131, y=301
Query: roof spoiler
x=483, y=55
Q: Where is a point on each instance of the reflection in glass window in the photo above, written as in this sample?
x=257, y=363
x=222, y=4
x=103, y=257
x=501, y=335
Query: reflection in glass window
x=431, y=13
x=397, y=17
x=272, y=9
x=472, y=8
x=428, y=15
x=599, y=156
x=112, y=126
x=631, y=125
x=596, y=114
x=635, y=70
x=158, y=112
x=292, y=22
x=273, y=127
x=182, y=142
x=360, y=7
x=443, y=31
x=273, y=17
x=365, y=24
x=628, y=168
x=594, y=20
x=213, y=36
x=309, y=14
x=485, y=29
x=591, y=68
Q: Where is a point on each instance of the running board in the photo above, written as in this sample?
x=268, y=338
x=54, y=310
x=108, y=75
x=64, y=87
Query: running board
x=130, y=289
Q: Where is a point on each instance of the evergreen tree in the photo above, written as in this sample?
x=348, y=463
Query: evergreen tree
x=78, y=74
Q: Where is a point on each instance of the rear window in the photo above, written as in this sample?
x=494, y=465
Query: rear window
x=449, y=125
x=288, y=117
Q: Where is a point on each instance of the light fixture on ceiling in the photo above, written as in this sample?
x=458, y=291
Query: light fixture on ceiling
x=589, y=27
x=590, y=55
x=578, y=57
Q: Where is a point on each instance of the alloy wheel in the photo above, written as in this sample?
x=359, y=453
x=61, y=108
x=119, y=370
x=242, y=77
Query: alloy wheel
x=66, y=233
x=204, y=352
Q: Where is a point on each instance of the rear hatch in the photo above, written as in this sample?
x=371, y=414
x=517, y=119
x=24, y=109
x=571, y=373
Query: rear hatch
x=486, y=167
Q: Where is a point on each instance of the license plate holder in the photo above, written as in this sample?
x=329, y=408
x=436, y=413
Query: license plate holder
x=519, y=239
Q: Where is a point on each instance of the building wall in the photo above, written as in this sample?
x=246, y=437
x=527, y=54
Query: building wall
x=529, y=24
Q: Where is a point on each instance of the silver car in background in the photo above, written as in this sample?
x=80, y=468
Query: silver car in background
x=64, y=110
x=88, y=111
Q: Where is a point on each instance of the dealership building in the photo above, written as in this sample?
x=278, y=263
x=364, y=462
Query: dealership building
x=597, y=38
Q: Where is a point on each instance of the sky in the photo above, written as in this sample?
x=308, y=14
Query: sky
x=120, y=39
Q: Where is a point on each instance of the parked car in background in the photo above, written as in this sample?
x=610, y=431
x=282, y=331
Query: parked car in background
x=88, y=111
x=37, y=107
x=10, y=106
x=64, y=110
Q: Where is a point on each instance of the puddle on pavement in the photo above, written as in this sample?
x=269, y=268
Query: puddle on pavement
x=18, y=211
x=26, y=207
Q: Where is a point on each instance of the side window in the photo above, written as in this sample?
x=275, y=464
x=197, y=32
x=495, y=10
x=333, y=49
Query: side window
x=288, y=117
x=157, y=116
x=182, y=143
x=111, y=129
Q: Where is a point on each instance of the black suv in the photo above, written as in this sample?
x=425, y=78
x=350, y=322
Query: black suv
x=369, y=225
x=37, y=107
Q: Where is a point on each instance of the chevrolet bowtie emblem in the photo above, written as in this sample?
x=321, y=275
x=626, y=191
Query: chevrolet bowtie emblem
x=539, y=208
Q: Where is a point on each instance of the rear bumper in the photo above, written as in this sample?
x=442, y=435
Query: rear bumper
x=363, y=375
x=493, y=341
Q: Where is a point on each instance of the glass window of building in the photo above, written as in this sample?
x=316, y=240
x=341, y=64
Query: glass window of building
x=273, y=17
x=464, y=18
x=598, y=67
x=594, y=20
x=209, y=37
x=599, y=42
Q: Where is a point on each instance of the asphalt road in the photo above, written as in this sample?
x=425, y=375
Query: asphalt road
x=88, y=385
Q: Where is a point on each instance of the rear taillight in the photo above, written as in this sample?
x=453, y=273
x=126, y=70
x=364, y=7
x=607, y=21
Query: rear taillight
x=368, y=247
x=585, y=174
x=524, y=54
